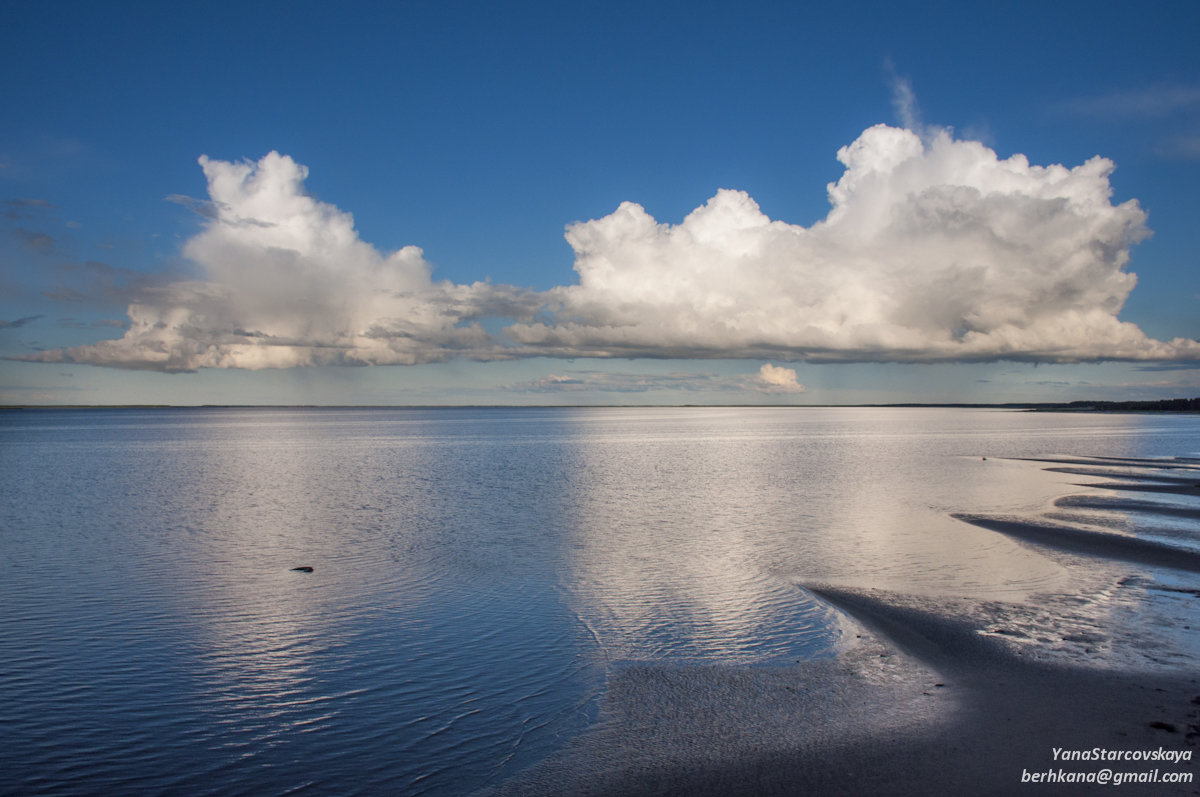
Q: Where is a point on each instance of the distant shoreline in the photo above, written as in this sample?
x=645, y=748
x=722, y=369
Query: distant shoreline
x=1176, y=405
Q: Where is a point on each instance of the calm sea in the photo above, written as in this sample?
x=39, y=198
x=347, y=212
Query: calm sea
x=475, y=572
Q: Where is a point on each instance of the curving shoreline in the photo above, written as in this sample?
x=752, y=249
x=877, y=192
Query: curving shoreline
x=919, y=704
x=928, y=695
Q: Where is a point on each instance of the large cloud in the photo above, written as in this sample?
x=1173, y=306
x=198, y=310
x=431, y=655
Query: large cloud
x=931, y=251
x=287, y=281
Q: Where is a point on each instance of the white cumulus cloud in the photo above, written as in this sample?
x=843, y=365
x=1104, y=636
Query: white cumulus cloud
x=934, y=249
x=777, y=379
x=937, y=251
x=287, y=281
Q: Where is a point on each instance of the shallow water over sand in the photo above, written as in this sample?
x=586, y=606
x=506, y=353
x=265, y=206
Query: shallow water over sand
x=474, y=571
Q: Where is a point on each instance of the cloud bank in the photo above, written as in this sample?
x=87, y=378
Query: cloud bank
x=770, y=379
x=933, y=250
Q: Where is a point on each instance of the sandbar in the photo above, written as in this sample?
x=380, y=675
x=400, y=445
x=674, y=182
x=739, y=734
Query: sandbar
x=928, y=695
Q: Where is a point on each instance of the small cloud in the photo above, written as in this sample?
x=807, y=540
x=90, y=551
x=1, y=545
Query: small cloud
x=1169, y=367
x=201, y=207
x=776, y=379
x=216, y=210
x=104, y=323
x=38, y=242
x=553, y=383
x=24, y=208
x=1184, y=148
x=20, y=322
x=1153, y=102
x=93, y=282
x=29, y=203
x=904, y=99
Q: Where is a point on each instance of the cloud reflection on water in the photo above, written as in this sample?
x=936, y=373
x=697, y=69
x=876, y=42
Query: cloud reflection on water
x=475, y=571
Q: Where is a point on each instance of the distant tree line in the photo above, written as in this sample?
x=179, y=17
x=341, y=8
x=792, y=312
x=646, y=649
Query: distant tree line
x=1163, y=405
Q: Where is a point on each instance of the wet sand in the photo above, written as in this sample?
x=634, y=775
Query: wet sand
x=927, y=695
x=1113, y=546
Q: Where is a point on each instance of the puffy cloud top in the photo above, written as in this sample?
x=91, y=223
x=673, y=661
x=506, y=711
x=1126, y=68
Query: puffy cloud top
x=929, y=252
x=932, y=251
x=287, y=281
x=776, y=379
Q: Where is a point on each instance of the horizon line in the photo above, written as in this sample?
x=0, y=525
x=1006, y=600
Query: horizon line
x=1077, y=404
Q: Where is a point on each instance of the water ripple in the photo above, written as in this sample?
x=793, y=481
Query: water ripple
x=475, y=573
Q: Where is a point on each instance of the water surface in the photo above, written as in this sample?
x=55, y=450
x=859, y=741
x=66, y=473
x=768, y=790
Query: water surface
x=475, y=572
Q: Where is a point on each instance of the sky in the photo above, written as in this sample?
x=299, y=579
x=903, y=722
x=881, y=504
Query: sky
x=598, y=203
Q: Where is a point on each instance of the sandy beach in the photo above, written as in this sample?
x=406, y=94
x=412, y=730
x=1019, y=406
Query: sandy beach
x=938, y=694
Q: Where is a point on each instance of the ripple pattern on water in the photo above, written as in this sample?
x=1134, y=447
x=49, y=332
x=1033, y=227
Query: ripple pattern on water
x=475, y=572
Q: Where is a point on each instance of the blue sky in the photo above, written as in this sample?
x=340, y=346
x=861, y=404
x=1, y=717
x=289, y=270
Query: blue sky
x=481, y=132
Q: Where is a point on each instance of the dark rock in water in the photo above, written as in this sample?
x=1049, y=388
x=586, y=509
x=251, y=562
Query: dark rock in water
x=305, y=569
